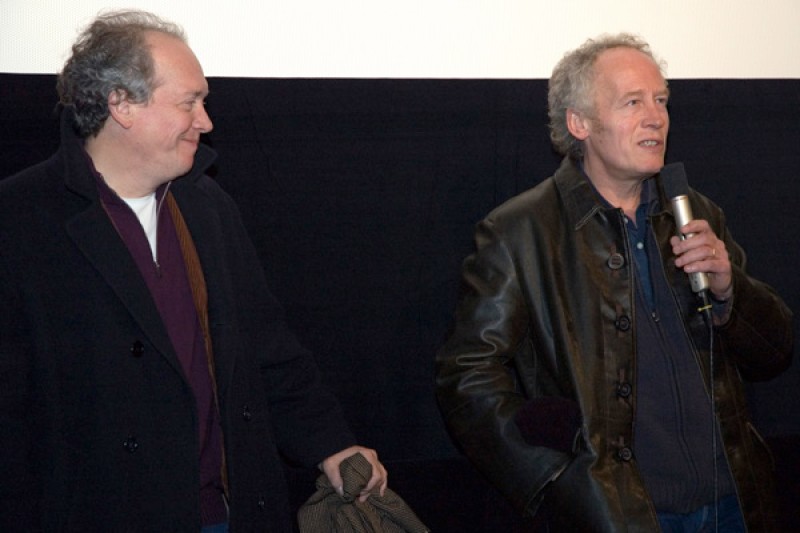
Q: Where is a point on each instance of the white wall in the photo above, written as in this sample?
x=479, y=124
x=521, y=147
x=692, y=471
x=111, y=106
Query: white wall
x=428, y=38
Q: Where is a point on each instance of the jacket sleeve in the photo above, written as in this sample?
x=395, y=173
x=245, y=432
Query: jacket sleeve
x=759, y=333
x=477, y=390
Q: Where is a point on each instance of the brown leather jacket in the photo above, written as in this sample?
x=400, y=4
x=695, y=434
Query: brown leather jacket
x=544, y=333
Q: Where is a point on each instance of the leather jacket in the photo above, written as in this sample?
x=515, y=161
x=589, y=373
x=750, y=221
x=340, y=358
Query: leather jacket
x=544, y=332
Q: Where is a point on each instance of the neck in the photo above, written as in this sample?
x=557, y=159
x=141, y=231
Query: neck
x=628, y=199
x=624, y=194
x=116, y=168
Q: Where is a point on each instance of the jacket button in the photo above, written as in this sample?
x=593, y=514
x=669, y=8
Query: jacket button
x=262, y=504
x=625, y=454
x=624, y=390
x=137, y=349
x=246, y=414
x=616, y=261
x=130, y=444
x=623, y=323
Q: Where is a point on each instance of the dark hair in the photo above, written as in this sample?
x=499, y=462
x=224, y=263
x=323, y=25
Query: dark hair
x=110, y=57
x=572, y=84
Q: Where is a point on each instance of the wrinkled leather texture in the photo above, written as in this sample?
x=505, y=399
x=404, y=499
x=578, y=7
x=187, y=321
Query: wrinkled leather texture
x=546, y=310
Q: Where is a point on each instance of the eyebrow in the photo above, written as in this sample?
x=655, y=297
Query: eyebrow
x=192, y=95
x=640, y=92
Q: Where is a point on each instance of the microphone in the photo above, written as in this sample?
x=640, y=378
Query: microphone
x=676, y=187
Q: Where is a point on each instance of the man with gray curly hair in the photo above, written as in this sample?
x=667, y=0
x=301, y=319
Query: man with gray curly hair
x=571, y=85
x=579, y=375
x=149, y=381
x=112, y=57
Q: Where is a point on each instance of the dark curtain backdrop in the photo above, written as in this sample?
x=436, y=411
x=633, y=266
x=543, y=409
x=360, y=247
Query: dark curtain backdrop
x=361, y=196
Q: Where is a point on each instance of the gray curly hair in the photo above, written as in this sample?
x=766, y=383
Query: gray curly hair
x=110, y=57
x=571, y=85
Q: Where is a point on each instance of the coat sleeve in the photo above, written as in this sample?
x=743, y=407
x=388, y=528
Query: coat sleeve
x=477, y=390
x=306, y=417
x=759, y=334
x=19, y=492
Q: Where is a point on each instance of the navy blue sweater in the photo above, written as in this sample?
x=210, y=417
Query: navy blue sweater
x=674, y=426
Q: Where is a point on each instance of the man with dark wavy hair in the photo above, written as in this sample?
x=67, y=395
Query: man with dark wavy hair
x=578, y=376
x=148, y=381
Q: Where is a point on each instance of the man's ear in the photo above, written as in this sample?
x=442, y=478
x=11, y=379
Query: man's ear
x=120, y=108
x=577, y=124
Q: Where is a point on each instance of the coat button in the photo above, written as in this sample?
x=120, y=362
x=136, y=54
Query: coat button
x=130, y=444
x=616, y=261
x=137, y=349
x=625, y=454
x=624, y=390
x=262, y=504
x=246, y=414
x=623, y=323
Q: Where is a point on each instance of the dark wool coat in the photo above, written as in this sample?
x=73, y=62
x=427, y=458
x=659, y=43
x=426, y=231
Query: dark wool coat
x=545, y=329
x=98, y=428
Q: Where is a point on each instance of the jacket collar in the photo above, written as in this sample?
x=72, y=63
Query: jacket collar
x=582, y=200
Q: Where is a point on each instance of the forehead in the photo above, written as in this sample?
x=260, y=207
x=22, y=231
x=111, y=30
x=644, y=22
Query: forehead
x=627, y=69
x=176, y=67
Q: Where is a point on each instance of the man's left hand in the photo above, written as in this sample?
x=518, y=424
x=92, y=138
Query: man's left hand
x=704, y=252
x=377, y=483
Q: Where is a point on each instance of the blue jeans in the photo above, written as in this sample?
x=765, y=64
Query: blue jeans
x=729, y=518
x=216, y=528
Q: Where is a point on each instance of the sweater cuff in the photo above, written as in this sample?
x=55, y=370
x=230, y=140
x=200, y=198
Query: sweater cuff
x=721, y=309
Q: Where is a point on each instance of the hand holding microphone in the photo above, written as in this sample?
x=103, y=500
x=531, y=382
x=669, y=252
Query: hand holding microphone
x=698, y=251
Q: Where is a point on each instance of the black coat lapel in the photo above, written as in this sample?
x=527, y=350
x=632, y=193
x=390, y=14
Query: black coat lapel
x=95, y=236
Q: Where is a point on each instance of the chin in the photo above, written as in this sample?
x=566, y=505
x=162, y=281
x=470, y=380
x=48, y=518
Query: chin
x=654, y=167
x=655, y=170
x=186, y=166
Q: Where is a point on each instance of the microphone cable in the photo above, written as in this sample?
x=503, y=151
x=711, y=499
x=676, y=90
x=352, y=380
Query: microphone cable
x=705, y=309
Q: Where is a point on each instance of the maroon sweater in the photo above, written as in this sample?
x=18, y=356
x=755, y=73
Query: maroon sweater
x=171, y=292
